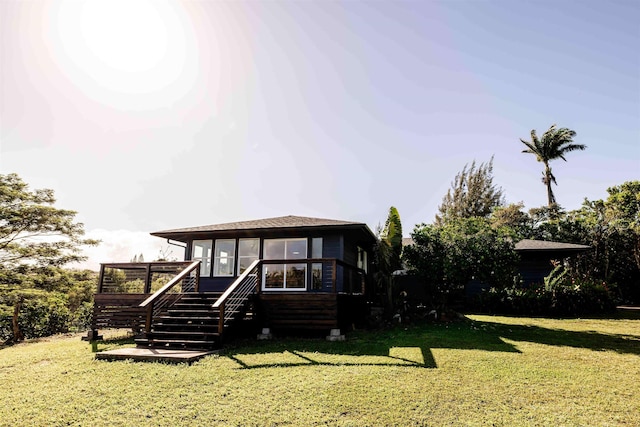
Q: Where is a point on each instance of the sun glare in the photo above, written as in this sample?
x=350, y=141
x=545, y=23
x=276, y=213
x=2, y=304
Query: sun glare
x=133, y=47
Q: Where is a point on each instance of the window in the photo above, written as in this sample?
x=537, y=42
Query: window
x=290, y=276
x=363, y=261
x=201, y=251
x=224, y=257
x=316, y=267
x=248, y=251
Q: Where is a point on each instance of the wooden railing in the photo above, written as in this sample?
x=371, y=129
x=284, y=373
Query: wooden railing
x=164, y=297
x=234, y=300
x=333, y=272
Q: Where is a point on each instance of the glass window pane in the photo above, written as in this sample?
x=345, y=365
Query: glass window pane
x=316, y=247
x=244, y=263
x=296, y=274
x=249, y=247
x=274, y=276
x=316, y=276
x=224, y=259
x=248, y=251
x=296, y=249
x=274, y=249
x=201, y=251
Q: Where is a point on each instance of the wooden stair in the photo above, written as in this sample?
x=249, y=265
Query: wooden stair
x=189, y=324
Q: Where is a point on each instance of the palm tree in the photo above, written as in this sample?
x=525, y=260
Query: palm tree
x=553, y=145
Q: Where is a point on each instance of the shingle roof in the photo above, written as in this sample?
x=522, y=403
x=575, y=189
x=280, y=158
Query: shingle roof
x=289, y=221
x=541, y=245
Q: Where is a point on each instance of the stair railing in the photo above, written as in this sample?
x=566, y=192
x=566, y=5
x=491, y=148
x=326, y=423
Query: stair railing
x=163, y=298
x=234, y=299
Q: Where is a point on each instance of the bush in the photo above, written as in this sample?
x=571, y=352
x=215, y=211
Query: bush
x=573, y=297
x=44, y=316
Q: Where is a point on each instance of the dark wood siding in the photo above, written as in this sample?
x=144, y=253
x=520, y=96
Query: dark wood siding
x=298, y=310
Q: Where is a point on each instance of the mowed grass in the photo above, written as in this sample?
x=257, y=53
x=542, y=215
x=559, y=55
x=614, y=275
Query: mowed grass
x=502, y=371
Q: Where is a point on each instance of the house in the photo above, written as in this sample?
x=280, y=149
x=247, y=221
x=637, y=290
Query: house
x=288, y=272
x=534, y=264
x=536, y=256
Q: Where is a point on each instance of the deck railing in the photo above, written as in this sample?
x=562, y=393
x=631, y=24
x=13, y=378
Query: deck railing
x=234, y=300
x=328, y=275
x=123, y=286
x=169, y=294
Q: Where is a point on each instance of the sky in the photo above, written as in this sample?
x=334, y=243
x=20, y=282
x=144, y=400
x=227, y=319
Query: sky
x=152, y=115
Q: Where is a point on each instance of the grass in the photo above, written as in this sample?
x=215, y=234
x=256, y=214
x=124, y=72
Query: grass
x=488, y=370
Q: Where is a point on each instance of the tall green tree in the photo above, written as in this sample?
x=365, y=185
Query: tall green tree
x=554, y=144
x=472, y=194
x=388, y=255
x=36, y=240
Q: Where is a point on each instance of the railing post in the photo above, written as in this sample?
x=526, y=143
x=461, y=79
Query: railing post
x=221, y=319
x=334, y=275
x=100, y=278
x=197, y=270
x=149, y=319
x=147, y=279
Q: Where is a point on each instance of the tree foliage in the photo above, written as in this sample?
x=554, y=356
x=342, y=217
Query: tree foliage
x=32, y=230
x=472, y=194
x=37, y=296
x=388, y=255
x=447, y=257
x=554, y=144
x=612, y=228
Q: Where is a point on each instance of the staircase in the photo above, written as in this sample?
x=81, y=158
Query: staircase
x=189, y=324
x=191, y=320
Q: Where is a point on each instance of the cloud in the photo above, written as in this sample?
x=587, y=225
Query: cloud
x=123, y=245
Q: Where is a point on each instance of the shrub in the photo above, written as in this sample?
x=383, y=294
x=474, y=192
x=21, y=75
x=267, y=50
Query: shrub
x=569, y=298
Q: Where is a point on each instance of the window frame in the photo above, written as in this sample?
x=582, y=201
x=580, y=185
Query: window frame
x=286, y=265
x=206, y=265
x=250, y=257
x=230, y=258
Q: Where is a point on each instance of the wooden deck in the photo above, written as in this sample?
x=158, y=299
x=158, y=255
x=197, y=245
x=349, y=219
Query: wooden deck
x=154, y=355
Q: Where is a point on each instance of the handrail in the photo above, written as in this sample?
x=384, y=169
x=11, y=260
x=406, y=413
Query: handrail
x=159, y=300
x=235, y=298
x=170, y=284
x=235, y=284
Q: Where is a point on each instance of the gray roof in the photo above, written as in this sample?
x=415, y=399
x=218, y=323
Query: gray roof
x=542, y=245
x=280, y=222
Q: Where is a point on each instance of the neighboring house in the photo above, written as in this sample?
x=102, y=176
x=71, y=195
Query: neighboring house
x=534, y=265
x=287, y=272
x=536, y=256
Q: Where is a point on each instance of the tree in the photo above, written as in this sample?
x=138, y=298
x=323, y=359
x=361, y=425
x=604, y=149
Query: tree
x=33, y=231
x=387, y=253
x=36, y=239
x=447, y=257
x=472, y=194
x=513, y=220
x=554, y=144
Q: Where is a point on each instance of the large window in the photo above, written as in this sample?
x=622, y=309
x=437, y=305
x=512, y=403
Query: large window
x=201, y=251
x=289, y=276
x=248, y=251
x=224, y=257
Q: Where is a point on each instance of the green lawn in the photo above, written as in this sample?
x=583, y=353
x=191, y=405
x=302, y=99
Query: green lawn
x=485, y=371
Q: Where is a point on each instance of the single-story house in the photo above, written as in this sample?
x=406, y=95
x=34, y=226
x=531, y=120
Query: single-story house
x=288, y=272
x=536, y=256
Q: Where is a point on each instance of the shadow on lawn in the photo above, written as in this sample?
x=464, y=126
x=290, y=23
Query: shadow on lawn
x=391, y=347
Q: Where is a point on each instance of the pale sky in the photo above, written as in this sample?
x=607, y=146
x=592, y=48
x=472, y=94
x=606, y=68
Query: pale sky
x=150, y=115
